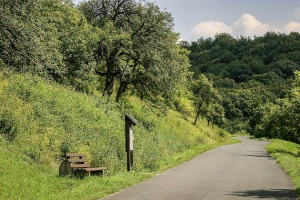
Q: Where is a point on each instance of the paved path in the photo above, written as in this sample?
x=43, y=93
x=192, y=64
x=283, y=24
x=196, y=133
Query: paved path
x=240, y=171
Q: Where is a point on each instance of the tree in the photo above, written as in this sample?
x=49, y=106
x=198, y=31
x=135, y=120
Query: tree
x=204, y=94
x=281, y=120
x=214, y=114
x=17, y=39
x=28, y=37
x=114, y=18
x=78, y=40
x=249, y=73
x=137, y=48
x=284, y=68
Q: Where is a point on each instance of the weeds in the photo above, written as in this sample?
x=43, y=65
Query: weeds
x=40, y=121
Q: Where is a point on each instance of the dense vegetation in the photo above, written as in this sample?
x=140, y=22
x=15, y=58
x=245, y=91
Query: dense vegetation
x=256, y=79
x=54, y=121
x=40, y=121
x=122, y=47
x=69, y=73
x=101, y=45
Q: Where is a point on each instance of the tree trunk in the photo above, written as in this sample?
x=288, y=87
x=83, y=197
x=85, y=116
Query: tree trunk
x=198, y=112
x=208, y=120
x=109, y=84
x=121, y=90
x=110, y=77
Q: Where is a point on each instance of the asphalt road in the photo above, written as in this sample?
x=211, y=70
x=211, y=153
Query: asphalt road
x=239, y=171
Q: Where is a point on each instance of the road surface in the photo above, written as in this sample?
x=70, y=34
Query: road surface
x=240, y=171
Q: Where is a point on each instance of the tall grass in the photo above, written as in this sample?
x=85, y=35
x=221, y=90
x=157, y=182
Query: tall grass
x=39, y=121
x=24, y=179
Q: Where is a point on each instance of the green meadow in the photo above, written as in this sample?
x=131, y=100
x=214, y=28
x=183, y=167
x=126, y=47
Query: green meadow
x=40, y=121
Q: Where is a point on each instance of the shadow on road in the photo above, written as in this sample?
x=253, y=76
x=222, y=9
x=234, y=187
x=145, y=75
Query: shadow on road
x=279, y=194
x=259, y=156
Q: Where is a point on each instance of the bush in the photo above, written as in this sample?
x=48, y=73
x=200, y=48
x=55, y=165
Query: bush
x=7, y=127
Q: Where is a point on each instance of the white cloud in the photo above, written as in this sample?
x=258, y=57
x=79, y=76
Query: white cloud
x=247, y=25
x=210, y=29
x=291, y=26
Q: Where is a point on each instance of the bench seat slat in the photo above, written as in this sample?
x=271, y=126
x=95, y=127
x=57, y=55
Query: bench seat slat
x=77, y=160
x=75, y=155
x=79, y=165
x=91, y=169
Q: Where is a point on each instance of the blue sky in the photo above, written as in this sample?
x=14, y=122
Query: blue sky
x=205, y=18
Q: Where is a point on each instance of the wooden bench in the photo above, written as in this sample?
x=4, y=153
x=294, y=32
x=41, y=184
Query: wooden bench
x=75, y=164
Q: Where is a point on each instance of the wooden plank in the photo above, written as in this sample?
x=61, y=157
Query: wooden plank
x=79, y=165
x=77, y=160
x=91, y=169
x=75, y=155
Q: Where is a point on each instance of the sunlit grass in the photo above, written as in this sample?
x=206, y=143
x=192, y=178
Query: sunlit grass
x=40, y=120
x=22, y=179
x=286, y=154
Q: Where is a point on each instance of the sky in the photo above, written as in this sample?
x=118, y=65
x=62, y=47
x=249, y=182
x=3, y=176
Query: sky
x=194, y=19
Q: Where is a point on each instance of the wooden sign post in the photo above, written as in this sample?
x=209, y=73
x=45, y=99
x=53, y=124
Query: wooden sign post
x=130, y=122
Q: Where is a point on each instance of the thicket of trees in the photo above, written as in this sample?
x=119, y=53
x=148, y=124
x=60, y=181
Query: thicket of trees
x=100, y=45
x=50, y=38
x=122, y=47
x=256, y=78
x=137, y=48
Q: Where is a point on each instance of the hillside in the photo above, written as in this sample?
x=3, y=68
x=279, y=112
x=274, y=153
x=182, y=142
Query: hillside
x=233, y=83
x=40, y=120
x=68, y=76
x=255, y=77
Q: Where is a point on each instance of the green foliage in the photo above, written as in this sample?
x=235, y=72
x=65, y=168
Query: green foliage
x=281, y=120
x=16, y=33
x=205, y=99
x=48, y=38
x=249, y=74
x=7, y=127
x=133, y=48
x=54, y=120
x=287, y=155
x=183, y=102
x=137, y=50
x=51, y=119
x=167, y=134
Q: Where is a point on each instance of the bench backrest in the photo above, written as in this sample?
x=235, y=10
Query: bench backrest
x=77, y=160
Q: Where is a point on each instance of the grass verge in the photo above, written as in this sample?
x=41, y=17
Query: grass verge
x=23, y=179
x=286, y=154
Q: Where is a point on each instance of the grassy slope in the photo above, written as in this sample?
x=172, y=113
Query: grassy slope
x=22, y=179
x=286, y=154
x=43, y=120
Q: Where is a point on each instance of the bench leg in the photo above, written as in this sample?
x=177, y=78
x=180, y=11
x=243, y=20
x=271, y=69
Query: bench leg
x=96, y=173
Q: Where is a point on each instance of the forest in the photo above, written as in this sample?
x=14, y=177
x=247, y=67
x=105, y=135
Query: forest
x=122, y=48
x=254, y=83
